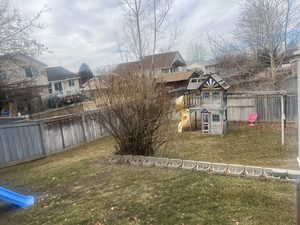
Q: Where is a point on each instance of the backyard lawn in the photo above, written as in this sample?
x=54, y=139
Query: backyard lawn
x=256, y=146
x=81, y=187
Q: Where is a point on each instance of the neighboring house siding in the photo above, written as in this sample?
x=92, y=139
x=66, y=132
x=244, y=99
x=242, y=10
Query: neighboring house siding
x=14, y=71
x=23, y=69
x=68, y=87
x=62, y=82
x=22, y=72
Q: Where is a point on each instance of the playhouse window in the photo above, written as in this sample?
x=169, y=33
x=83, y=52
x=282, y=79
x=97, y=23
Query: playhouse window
x=206, y=97
x=216, y=97
x=216, y=117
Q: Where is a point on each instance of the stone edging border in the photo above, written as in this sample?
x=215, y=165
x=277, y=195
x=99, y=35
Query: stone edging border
x=215, y=168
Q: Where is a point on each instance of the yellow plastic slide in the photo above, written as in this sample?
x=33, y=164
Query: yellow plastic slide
x=185, y=120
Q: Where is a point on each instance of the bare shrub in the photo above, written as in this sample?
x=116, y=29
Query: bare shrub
x=133, y=109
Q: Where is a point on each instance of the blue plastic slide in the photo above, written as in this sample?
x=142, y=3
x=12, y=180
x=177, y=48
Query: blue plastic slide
x=22, y=201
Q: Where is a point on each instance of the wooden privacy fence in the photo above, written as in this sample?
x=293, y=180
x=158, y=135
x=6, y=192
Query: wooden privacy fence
x=267, y=107
x=239, y=107
x=21, y=142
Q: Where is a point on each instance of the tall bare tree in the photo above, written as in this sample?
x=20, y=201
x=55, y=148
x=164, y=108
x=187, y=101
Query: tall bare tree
x=135, y=11
x=16, y=38
x=229, y=55
x=196, y=52
x=145, y=20
x=16, y=31
x=161, y=9
x=266, y=27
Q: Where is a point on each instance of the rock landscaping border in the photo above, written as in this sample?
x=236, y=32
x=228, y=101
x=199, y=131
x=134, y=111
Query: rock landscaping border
x=214, y=168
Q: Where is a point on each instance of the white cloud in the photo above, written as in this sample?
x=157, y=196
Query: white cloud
x=85, y=31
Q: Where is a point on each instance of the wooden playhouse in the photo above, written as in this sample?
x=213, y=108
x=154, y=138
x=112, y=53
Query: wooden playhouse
x=206, y=98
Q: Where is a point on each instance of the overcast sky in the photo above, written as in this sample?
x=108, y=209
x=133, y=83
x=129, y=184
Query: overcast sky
x=80, y=31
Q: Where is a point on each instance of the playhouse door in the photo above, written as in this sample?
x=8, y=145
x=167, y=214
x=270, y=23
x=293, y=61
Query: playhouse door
x=206, y=121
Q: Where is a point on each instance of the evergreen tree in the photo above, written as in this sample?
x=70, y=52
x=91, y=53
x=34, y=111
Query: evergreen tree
x=85, y=73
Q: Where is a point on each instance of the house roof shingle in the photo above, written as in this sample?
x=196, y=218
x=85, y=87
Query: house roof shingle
x=162, y=60
x=175, y=76
x=59, y=73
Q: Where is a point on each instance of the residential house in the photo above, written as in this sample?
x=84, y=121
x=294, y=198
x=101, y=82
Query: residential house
x=92, y=86
x=177, y=82
x=24, y=85
x=159, y=63
x=63, y=85
x=62, y=82
x=198, y=67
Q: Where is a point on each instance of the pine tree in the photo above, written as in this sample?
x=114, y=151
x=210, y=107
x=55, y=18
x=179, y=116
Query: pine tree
x=85, y=73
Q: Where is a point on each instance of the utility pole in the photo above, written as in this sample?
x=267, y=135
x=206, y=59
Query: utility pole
x=298, y=184
x=298, y=88
x=282, y=119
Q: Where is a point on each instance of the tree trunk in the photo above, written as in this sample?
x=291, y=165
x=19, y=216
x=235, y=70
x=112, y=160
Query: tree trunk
x=154, y=38
x=273, y=68
x=137, y=17
x=286, y=24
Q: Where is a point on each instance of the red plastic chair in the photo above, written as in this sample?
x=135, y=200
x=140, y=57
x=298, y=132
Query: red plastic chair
x=252, y=118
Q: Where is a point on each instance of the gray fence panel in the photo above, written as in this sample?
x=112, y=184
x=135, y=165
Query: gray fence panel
x=26, y=141
x=267, y=107
x=239, y=107
x=94, y=129
x=5, y=153
x=20, y=143
x=52, y=138
x=291, y=108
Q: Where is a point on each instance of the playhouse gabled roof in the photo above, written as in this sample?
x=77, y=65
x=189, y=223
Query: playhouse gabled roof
x=220, y=81
x=208, y=81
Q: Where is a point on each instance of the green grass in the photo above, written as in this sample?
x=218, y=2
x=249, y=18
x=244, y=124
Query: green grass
x=81, y=187
x=257, y=146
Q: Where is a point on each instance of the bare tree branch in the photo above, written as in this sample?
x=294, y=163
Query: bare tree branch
x=16, y=31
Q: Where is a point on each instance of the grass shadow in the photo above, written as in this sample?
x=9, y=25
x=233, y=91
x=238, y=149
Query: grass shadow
x=7, y=208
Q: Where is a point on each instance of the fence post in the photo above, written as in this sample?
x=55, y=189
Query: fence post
x=298, y=203
x=282, y=119
x=41, y=129
x=83, y=124
x=298, y=97
x=62, y=134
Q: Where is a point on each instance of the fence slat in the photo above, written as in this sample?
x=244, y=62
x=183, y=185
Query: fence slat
x=23, y=142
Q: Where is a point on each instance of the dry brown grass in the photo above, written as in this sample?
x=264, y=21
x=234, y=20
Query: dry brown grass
x=81, y=187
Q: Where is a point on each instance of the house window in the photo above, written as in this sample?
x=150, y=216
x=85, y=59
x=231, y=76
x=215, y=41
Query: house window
x=3, y=75
x=28, y=72
x=166, y=70
x=50, y=88
x=58, y=86
x=71, y=83
x=216, y=118
x=173, y=69
x=31, y=71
